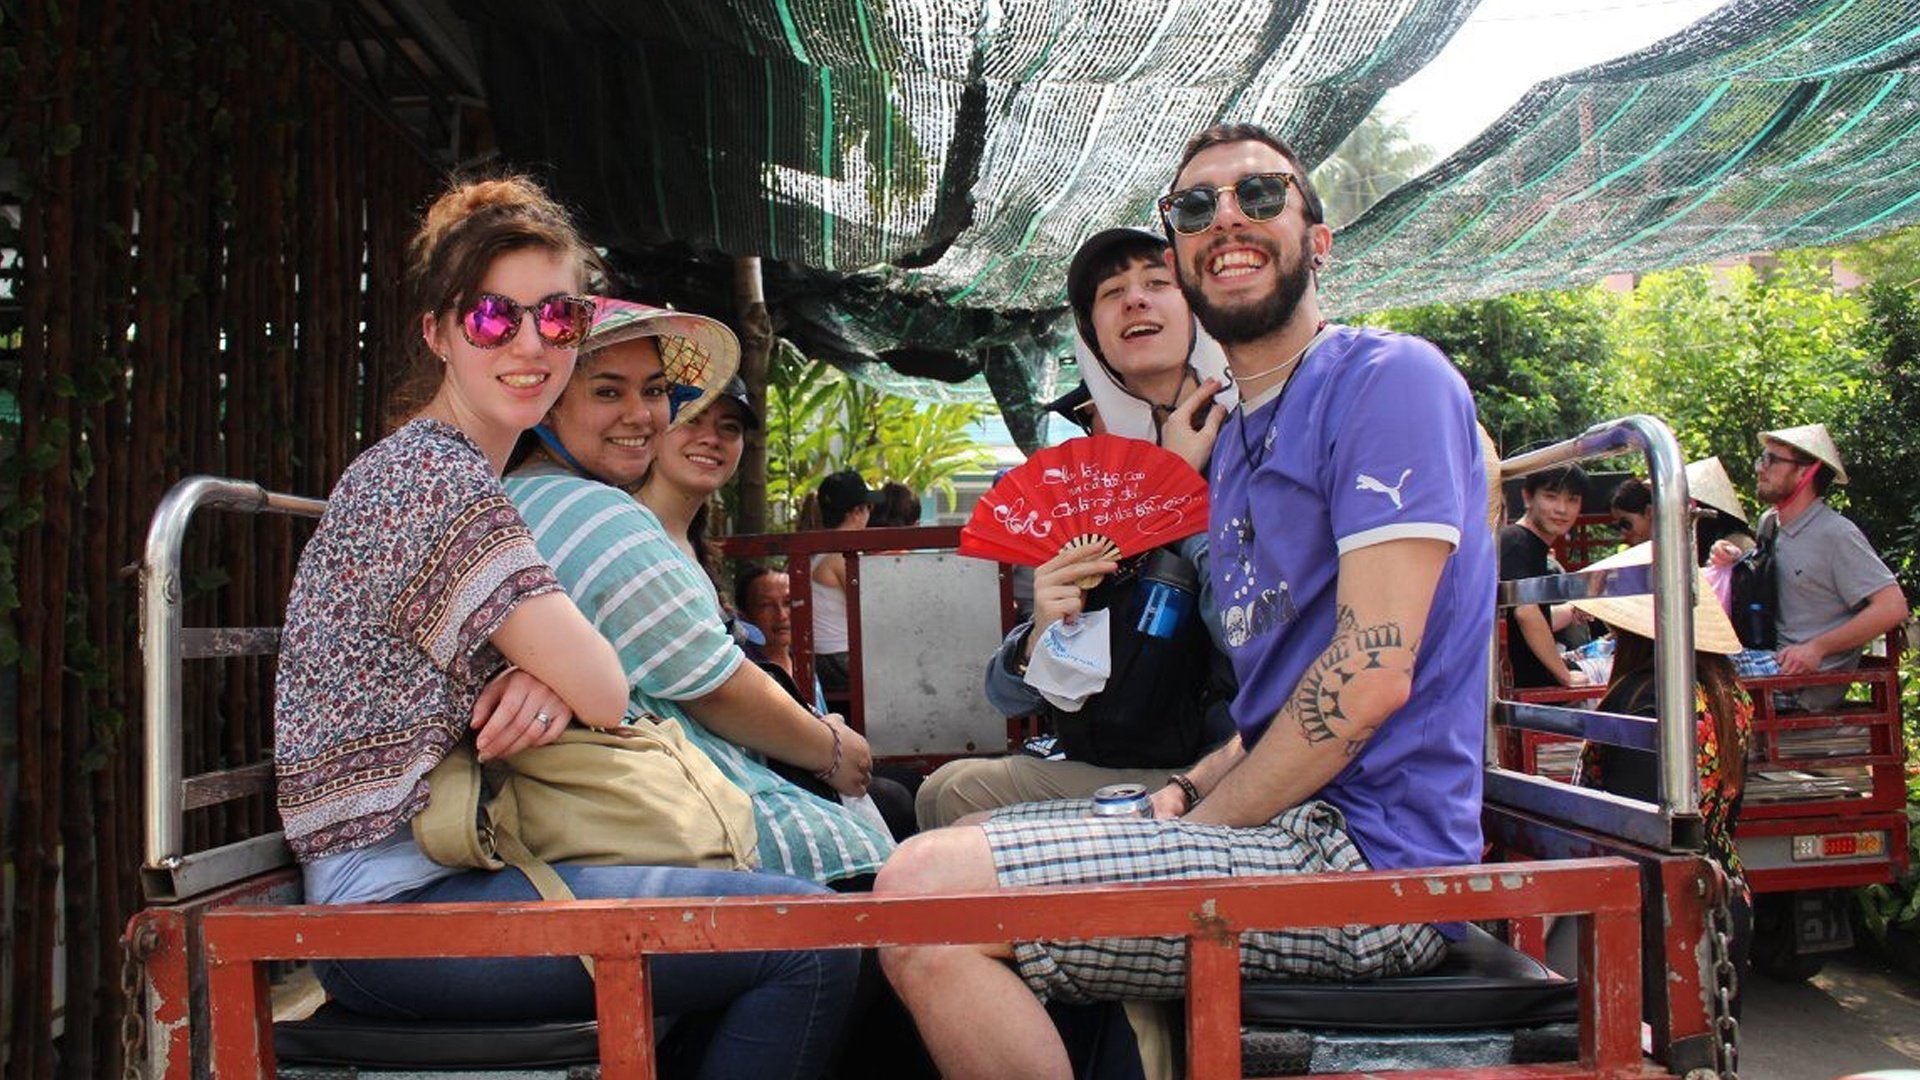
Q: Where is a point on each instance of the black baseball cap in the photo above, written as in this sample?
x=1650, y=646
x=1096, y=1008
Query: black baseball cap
x=846, y=490
x=1080, y=272
x=736, y=391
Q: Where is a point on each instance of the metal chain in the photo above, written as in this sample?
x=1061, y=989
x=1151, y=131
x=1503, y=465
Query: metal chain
x=134, y=950
x=1726, y=981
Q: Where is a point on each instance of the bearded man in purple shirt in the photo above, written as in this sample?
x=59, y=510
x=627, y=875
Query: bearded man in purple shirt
x=1355, y=573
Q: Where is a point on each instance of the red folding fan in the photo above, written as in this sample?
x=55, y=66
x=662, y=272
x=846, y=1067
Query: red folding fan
x=1123, y=495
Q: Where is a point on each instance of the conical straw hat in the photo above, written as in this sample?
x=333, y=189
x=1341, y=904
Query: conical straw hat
x=1813, y=441
x=1708, y=483
x=700, y=355
x=1712, y=630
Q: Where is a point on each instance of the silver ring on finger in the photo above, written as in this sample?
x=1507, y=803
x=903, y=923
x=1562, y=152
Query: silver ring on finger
x=543, y=720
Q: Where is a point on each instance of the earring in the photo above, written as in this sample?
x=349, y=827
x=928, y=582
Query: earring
x=1319, y=261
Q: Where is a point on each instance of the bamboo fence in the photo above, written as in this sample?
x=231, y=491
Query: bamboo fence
x=208, y=243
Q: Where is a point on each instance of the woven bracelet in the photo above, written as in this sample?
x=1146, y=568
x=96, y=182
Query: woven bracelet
x=826, y=774
x=1187, y=788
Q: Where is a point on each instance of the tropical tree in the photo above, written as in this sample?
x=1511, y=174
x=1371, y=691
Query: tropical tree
x=1375, y=157
x=1722, y=354
x=1533, y=360
x=1878, y=436
x=820, y=421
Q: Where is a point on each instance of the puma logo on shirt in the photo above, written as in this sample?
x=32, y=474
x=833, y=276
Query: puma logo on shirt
x=1367, y=483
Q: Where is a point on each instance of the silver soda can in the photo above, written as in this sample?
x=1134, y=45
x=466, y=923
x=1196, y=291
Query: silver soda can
x=1122, y=801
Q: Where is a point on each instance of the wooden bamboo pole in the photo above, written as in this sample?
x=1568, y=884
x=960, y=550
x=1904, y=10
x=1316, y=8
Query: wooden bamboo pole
x=756, y=345
x=83, y=700
x=30, y=855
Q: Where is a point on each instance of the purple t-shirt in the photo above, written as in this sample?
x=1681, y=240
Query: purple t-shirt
x=1374, y=440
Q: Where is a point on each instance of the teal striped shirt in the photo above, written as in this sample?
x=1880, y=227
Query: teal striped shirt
x=620, y=567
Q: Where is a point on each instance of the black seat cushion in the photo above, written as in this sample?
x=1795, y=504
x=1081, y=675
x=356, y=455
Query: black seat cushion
x=1482, y=983
x=337, y=1036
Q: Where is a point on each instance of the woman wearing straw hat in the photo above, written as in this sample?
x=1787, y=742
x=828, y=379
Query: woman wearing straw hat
x=651, y=598
x=1720, y=513
x=1723, y=516
x=1723, y=722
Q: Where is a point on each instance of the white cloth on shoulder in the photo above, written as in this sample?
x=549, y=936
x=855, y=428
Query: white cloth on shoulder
x=1125, y=414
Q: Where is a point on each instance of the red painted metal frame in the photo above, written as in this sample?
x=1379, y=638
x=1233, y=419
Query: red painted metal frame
x=1886, y=751
x=1885, y=760
x=1209, y=914
x=1673, y=938
x=169, y=941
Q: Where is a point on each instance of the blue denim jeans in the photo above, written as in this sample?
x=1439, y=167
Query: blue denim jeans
x=779, y=1012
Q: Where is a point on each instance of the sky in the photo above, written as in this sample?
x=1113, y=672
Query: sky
x=1508, y=45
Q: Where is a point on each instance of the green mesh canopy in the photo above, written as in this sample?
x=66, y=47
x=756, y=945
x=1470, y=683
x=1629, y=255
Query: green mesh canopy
x=916, y=172
x=956, y=149
x=1769, y=124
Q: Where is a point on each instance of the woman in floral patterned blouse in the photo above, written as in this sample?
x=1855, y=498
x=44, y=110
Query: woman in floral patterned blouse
x=422, y=612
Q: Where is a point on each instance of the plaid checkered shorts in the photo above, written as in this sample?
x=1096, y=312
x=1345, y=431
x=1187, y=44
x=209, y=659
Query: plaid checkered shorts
x=1057, y=843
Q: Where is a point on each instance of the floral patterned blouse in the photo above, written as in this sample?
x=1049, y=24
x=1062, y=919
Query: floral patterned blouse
x=1719, y=802
x=417, y=561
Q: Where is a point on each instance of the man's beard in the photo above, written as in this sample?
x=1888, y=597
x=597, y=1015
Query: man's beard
x=1239, y=325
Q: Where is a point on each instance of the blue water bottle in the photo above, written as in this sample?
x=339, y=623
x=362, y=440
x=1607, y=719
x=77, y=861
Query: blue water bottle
x=1165, y=598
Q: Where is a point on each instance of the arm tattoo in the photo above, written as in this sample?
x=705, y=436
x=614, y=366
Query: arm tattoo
x=1320, y=700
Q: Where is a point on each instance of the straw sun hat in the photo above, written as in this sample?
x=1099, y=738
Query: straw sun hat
x=1712, y=631
x=1813, y=441
x=1709, y=485
x=700, y=355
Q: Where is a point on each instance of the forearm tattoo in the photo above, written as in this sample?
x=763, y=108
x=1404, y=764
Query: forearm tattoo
x=1356, y=655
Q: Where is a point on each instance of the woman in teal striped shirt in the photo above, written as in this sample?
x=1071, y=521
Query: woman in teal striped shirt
x=659, y=609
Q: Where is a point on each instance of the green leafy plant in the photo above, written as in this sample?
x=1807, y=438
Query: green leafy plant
x=820, y=421
x=1891, y=913
x=1878, y=436
x=1910, y=722
x=1534, y=360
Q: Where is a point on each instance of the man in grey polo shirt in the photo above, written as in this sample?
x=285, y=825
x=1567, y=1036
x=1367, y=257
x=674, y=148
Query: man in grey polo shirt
x=1836, y=595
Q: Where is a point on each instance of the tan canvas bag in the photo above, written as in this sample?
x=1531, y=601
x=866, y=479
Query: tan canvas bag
x=641, y=795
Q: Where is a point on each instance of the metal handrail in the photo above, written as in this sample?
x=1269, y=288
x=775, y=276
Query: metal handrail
x=160, y=642
x=1673, y=587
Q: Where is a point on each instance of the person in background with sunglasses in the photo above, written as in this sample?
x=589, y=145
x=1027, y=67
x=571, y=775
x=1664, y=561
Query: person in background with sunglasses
x=1835, y=594
x=1718, y=513
x=423, y=614
x=1355, y=572
x=1631, y=505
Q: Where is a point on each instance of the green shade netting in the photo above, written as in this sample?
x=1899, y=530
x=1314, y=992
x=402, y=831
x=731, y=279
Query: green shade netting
x=917, y=172
x=1769, y=124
